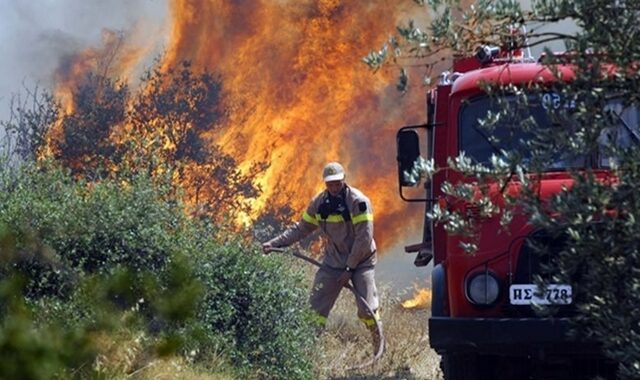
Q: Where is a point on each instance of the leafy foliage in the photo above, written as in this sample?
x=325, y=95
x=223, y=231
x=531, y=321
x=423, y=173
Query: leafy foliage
x=596, y=81
x=27, y=351
x=252, y=306
x=98, y=256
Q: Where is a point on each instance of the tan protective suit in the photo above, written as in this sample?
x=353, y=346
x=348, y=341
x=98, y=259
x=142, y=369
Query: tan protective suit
x=348, y=243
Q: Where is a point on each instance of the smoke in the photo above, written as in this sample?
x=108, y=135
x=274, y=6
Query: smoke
x=36, y=36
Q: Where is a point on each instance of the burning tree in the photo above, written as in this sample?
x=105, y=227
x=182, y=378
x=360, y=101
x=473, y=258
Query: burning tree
x=170, y=123
x=84, y=144
x=163, y=130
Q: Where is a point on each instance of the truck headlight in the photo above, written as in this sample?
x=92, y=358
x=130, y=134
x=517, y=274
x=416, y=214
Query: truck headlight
x=483, y=288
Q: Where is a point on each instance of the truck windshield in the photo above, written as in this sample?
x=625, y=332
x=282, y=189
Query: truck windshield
x=510, y=133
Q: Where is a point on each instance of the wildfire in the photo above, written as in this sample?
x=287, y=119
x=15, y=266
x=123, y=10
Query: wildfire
x=114, y=58
x=297, y=93
x=421, y=299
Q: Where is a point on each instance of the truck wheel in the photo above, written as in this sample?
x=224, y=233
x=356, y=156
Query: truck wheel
x=459, y=367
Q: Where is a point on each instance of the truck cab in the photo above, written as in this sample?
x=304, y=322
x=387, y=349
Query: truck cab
x=483, y=322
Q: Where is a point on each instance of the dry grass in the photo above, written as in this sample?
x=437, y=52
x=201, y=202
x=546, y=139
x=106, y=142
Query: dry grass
x=126, y=355
x=177, y=368
x=346, y=343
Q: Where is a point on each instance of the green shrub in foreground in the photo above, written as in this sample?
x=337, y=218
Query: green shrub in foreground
x=81, y=244
x=259, y=306
x=31, y=352
x=93, y=227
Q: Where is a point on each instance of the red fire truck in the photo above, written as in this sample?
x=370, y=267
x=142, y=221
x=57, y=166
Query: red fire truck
x=483, y=322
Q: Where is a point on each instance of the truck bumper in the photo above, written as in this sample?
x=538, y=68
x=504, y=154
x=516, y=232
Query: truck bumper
x=507, y=336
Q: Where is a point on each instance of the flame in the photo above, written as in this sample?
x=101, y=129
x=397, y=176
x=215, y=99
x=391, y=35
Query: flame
x=114, y=58
x=421, y=299
x=297, y=91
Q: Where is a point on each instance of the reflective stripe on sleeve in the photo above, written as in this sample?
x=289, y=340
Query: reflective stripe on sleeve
x=330, y=218
x=355, y=219
x=309, y=219
x=361, y=218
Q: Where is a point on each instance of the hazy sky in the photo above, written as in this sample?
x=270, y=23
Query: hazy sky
x=35, y=34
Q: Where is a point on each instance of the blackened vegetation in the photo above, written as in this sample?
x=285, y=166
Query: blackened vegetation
x=99, y=106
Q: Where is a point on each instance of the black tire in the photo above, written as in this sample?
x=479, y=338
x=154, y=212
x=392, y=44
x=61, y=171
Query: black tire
x=459, y=366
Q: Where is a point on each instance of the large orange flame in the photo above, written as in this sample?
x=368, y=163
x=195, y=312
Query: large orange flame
x=299, y=95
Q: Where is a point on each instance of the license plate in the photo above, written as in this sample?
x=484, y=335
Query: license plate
x=528, y=294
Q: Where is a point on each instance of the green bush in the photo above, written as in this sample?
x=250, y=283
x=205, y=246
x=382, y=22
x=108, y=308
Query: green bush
x=32, y=352
x=256, y=304
x=90, y=227
x=91, y=252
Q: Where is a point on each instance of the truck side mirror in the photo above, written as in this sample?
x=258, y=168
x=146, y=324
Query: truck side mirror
x=408, y=148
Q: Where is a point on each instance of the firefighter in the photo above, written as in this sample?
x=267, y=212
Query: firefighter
x=345, y=217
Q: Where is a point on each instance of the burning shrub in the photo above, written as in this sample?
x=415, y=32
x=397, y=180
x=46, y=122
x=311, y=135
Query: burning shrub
x=177, y=107
x=168, y=126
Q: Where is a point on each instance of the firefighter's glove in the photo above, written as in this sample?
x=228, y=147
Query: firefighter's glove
x=345, y=277
x=267, y=248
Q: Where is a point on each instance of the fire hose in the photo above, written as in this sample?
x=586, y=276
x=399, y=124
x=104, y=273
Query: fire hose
x=380, y=349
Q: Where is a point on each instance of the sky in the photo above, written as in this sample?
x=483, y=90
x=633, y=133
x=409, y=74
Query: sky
x=36, y=34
